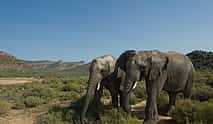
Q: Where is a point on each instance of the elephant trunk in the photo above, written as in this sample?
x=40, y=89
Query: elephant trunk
x=125, y=95
x=92, y=83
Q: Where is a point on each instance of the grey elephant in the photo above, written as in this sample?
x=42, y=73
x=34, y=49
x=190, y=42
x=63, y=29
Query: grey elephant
x=120, y=68
x=101, y=75
x=170, y=71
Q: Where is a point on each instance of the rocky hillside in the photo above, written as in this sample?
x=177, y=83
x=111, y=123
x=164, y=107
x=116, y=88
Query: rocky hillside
x=53, y=65
x=9, y=64
x=8, y=59
x=201, y=59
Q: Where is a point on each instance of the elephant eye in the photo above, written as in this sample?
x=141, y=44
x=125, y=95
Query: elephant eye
x=143, y=67
x=102, y=70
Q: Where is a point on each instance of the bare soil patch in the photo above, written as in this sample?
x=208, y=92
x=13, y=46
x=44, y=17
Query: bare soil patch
x=19, y=117
x=15, y=80
x=139, y=111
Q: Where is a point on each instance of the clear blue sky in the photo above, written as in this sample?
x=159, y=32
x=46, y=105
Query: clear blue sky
x=74, y=30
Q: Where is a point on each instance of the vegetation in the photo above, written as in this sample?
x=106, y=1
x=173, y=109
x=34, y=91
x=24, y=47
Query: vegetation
x=193, y=112
x=4, y=107
x=61, y=94
x=117, y=116
x=201, y=59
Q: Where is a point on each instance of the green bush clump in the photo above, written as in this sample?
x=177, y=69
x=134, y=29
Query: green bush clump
x=116, y=116
x=193, y=112
x=71, y=87
x=140, y=90
x=4, y=107
x=183, y=111
x=50, y=118
x=163, y=102
x=33, y=101
x=133, y=99
x=202, y=93
x=19, y=104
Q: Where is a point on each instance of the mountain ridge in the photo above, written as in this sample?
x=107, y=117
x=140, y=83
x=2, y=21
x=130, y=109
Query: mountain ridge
x=10, y=65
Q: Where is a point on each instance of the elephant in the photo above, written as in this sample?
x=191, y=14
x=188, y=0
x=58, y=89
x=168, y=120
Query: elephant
x=169, y=71
x=120, y=68
x=101, y=75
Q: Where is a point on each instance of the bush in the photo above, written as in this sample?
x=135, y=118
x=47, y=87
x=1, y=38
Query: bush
x=71, y=87
x=140, y=90
x=163, y=102
x=50, y=118
x=202, y=93
x=33, y=101
x=133, y=99
x=183, y=111
x=4, y=107
x=116, y=116
x=19, y=105
x=193, y=112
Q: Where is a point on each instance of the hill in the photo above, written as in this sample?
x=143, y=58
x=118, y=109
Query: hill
x=201, y=59
x=11, y=66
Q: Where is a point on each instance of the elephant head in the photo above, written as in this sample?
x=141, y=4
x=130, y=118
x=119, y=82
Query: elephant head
x=100, y=68
x=146, y=65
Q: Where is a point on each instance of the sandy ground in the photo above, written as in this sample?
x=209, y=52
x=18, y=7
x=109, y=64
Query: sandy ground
x=9, y=81
x=139, y=110
x=19, y=117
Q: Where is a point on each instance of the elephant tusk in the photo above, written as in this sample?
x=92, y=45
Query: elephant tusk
x=134, y=85
x=98, y=87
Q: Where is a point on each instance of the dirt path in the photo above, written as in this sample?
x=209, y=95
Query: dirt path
x=16, y=80
x=19, y=117
x=139, y=110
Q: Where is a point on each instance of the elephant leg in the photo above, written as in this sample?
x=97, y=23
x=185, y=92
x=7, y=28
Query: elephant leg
x=151, y=113
x=172, y=100
x=89, y=97
x=114, y=99
x=125, y=97
x=97, y=102
x=114, y=94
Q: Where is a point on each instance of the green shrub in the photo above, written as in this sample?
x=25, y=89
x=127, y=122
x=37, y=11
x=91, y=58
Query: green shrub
x=50, y=118
x=116, y=116
x=33, y=101
x=19, y=105
x=183, y=111
x=4, y=107
x=202, y=93
x=71, y=87
x=140, y=90
x=193, y=112
x=133, y=99
x=163, y=102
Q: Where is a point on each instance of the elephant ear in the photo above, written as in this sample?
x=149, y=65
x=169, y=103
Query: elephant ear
x=158, y=64
x=108, y=68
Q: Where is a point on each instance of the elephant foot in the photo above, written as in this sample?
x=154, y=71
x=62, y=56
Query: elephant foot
x=127, y=109
x=82, y=121
x=150, y=122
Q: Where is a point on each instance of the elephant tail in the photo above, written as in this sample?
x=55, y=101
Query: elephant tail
x=189, y=84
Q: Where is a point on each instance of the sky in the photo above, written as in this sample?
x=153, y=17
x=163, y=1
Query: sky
x=74, y=30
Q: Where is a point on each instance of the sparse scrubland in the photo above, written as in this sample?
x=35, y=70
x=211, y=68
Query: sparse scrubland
x=59, y=97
